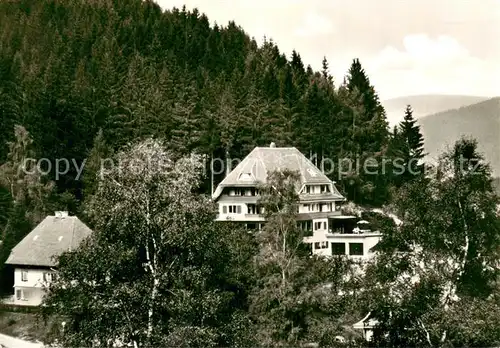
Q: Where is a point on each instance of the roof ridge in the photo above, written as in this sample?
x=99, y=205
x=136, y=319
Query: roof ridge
x=259, y=155
x=72, y=232
x=303, y=169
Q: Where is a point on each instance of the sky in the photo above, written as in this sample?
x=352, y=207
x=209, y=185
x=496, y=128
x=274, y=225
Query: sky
x=407, y=47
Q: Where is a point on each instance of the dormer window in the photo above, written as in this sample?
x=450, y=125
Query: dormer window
x=312, y=172
x=245, y=177
x=236, y=192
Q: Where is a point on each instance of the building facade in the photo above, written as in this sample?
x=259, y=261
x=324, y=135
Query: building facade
x=34, y=258
x=329, y=231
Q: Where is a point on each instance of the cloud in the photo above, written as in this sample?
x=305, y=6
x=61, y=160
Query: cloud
x=314, y=24
x=438, y=65
x=383, y=34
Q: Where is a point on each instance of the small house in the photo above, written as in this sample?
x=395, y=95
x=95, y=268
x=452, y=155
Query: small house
x=33, y=259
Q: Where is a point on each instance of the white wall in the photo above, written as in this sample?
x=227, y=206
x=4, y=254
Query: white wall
x=323, y=228
x=368, y=333
x=32, y=289
x=30, y=296
x=243, y=216
x=316, y=207
x=35, y=277
x=369, y=240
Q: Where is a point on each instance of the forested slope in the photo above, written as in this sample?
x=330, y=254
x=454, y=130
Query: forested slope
x=70, y=68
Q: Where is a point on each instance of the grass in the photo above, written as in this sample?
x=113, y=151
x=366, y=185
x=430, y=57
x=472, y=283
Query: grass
x=26, y=326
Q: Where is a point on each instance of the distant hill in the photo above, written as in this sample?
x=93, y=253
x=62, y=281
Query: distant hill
x=480, y=120
x=424, y=105
x=496, y=183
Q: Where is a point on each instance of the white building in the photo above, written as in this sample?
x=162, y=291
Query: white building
x=366, y=325
x=33, y=258
x=329, y=230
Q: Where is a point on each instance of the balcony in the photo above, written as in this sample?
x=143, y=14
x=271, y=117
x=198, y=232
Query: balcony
x=240, y=217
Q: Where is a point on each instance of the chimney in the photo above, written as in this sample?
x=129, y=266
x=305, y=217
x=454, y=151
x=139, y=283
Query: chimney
x=61, y=214
x=273, y=145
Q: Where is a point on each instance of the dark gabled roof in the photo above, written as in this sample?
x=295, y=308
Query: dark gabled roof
x=254, y=168
x=53, y=236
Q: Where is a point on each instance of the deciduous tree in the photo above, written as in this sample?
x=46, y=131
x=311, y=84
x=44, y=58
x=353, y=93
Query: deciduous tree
x=157, y=270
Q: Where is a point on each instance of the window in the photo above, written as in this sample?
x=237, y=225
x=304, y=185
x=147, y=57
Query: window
x=224, y=209
x=24, y=276
x=252, y=226
x=308, y=189
x=245, y=176
x=338, y=248
x=19, y=295
x=305, y=225
x=49, y=277
x=235, y=209
x=356, y=249
x=253, y=209
x=320, y=225
x=321, y=245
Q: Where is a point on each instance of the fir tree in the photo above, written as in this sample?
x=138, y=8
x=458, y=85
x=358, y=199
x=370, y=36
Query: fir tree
x=409, y=144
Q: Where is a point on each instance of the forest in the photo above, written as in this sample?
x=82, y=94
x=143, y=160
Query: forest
x=89, y=80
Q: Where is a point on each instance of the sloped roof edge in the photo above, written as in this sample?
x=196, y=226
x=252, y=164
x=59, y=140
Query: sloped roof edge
x=262, y=160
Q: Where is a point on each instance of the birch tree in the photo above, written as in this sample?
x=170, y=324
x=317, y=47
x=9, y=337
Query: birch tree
x=297, y=298
x=450, y=236
x=157, y=270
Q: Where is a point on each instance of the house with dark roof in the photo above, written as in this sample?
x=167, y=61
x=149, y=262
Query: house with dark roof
x=328, y=230
x=33, y=259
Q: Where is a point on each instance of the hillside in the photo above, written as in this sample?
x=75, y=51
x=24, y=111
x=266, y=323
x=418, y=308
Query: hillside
x=82, y=80
x=69, y=69
x=424, y=105
x=480, y=120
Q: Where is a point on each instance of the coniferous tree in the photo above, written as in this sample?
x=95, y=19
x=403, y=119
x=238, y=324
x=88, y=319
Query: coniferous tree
x=408, y=144
x=30, y=195
x=68, y=73
x=97, y=162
